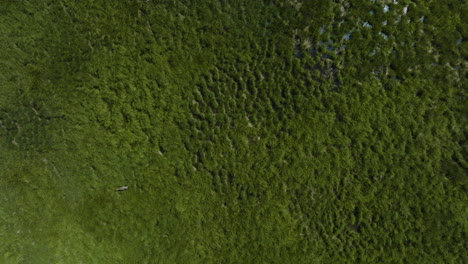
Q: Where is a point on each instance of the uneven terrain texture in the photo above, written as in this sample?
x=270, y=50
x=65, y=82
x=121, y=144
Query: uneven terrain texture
x=248, y=131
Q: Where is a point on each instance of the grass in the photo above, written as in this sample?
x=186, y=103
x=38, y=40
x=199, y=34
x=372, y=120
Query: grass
x=247, y=132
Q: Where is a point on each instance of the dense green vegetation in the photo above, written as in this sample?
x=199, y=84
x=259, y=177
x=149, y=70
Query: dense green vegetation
x=247, y=131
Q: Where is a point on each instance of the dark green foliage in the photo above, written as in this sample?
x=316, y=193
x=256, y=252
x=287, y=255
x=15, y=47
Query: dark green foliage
x=247, y=132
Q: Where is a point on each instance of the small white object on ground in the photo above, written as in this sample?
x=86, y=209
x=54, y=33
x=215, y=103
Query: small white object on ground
x=123, y=188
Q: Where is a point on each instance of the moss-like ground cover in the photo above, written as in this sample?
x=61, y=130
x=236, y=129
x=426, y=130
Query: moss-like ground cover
x=247, y=131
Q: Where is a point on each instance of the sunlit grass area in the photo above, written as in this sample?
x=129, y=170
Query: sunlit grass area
x=246, y=131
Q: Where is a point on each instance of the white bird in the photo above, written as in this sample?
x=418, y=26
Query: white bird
x=123, y=188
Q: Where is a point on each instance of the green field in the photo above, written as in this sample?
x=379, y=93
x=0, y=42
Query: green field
x=248, y=131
